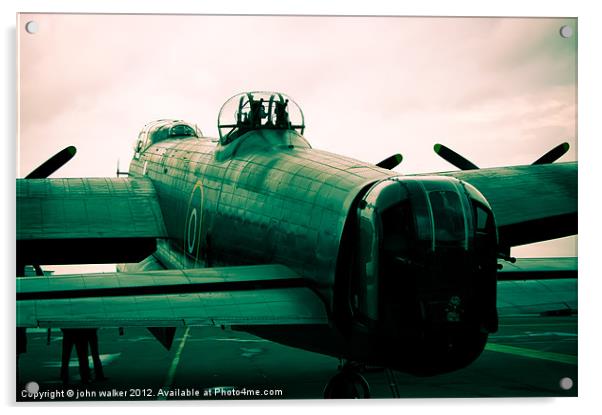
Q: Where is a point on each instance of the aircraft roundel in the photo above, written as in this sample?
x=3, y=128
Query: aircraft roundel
x=194, y=220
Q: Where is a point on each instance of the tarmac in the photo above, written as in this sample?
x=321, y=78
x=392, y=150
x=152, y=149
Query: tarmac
x=530, y=356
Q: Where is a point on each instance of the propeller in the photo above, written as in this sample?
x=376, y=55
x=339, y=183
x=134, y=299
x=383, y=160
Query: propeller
x=53, y=163
x=462, y=163
x=390, y=162
x=454, y=158
x=554, y=154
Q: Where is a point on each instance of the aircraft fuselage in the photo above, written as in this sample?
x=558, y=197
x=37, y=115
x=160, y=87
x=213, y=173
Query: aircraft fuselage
x=405, y=265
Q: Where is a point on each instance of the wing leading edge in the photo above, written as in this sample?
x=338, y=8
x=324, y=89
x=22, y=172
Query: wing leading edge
x=525, y=269
x=87, y=221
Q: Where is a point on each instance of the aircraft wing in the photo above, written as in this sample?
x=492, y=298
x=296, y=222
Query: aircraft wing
x=538, y=269
x=243, y=295
x=541, y=286
x=531, y=203
x=87, y=221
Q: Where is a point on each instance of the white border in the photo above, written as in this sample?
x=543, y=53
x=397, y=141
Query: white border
x=590, y=175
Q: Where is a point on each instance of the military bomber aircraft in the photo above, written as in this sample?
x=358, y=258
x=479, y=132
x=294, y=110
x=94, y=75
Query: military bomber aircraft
x=259, y=232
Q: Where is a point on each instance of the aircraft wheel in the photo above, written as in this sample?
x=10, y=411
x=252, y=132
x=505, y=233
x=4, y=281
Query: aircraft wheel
x=347, y=385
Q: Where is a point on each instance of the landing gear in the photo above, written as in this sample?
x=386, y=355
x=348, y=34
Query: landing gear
x=348, y=384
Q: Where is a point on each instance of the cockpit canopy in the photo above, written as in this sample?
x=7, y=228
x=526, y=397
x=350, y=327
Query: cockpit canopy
x=258, y=110
x=161, y=130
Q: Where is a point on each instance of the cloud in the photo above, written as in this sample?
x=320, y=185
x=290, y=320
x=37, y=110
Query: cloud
x=407, y=81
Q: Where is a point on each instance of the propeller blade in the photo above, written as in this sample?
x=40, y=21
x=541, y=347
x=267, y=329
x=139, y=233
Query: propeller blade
x=390, y=162
x=53, y=163
x=553, y=155
x=454, y=158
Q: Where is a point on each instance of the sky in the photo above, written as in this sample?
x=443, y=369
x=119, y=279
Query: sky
x=500, y=91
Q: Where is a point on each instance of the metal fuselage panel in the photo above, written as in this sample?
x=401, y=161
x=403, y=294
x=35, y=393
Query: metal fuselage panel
x=396, y=260
x=265, y=198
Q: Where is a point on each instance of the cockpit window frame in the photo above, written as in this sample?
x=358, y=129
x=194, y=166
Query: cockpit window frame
x=258, y=110
x=160, y=130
